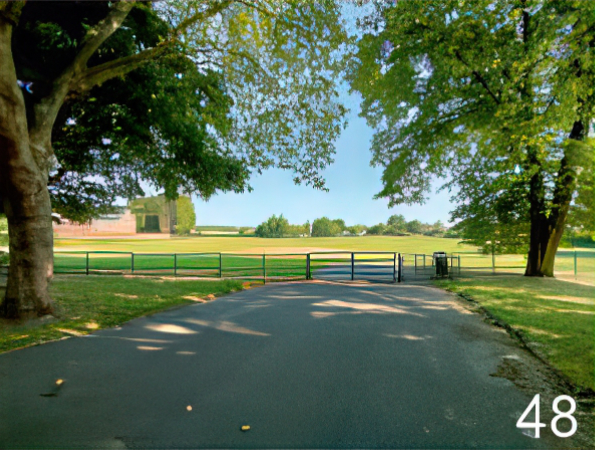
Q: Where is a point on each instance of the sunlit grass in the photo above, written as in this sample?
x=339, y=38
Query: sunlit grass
x=86, y=304
x=403, y=244
x=556, y=317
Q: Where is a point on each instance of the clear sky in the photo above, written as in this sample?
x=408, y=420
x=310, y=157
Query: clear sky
x=351, y=180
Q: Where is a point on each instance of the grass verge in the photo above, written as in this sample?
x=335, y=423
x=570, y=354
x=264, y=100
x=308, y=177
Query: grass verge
x=555, y=318
x=86, y=304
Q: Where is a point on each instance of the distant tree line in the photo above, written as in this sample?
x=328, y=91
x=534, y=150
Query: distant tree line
x=396, y=225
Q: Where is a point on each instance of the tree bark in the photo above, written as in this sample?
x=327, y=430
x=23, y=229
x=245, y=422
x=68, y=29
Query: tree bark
x=25, y=162
x=565, y=186
x=31, y=266
x=539, y=235
x=25, y=198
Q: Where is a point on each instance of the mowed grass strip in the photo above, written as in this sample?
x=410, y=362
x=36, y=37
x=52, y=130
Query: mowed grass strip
x=557, y=318
x=86, y=304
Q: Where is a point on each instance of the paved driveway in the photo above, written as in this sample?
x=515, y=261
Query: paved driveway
x=309, y=365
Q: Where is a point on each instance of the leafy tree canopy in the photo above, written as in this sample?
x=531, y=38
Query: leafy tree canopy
x=495, y=97
x=249, y=87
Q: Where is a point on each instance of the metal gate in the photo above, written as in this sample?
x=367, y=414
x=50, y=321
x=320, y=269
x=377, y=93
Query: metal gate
x=369, y=266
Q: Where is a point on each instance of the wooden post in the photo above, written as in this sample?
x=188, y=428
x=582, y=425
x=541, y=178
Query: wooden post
x=352, y=265
x=87, y=264
x=424, y=262
x=400, y=269
x=415, y=264
x=131, y=262
x=308, y=266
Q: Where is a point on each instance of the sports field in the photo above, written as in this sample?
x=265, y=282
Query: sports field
x=244, y=255
x=202, y=244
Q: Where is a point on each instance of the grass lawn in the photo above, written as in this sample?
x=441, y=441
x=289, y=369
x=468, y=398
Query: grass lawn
x=86, y=304
x=236, y=265
x=557, y=318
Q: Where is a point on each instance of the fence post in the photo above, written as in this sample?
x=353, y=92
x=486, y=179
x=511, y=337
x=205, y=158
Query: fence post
x=493, y=261
x=264, y=269
x=220, y=266
x=175, y=264
x=459, y=258
x=424, y=262
x=575, y=266
x=400, y=269
x=308, y=266
x=394, y=267
x=87, y=264
x=415, y=264
x=131, y=262
x=352, y=265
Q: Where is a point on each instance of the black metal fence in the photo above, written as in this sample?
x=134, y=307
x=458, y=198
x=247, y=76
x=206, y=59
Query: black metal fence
x=332, y=265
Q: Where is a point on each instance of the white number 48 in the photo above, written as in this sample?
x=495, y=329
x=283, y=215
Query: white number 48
x=537, y=425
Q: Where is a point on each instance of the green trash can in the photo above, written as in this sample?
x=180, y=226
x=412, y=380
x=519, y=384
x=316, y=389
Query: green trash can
x=441, y=264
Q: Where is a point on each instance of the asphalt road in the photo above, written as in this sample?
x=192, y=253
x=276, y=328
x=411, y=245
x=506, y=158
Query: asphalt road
x=306, y=365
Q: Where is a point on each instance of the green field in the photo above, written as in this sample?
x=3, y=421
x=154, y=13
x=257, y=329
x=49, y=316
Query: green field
x=200, y=244
x=249, y=266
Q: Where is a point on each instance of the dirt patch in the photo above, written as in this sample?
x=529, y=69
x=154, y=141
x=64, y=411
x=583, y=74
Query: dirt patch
x=281, y=250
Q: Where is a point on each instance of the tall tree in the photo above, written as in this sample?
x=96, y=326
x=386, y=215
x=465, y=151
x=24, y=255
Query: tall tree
x=495, y=95
x=272, y=64
x=186, y=216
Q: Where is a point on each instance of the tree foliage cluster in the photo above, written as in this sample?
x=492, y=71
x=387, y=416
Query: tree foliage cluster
x=325, y=227
x=495, y=97
x=278, y=227
x=186, y=216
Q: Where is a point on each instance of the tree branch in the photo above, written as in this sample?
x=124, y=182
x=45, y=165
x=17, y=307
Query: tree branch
x=478, y=77
x=199, y=16
x=99, y=74
x=100, y=32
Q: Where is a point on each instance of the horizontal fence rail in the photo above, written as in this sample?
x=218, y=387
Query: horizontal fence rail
x=331, y=265
x=325, y=265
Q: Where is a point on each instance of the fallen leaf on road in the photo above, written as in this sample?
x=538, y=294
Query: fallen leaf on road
x=245, y=427
x=59, y=381
x=189, y=408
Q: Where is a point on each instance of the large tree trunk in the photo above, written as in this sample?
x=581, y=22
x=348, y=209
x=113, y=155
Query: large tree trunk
x=31, y=257
x=565, y=187
x=23, y=189
x=539, y=234
x=26, y=154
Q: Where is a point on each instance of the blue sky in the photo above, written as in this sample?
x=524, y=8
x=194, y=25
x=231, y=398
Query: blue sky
x=352, y=183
